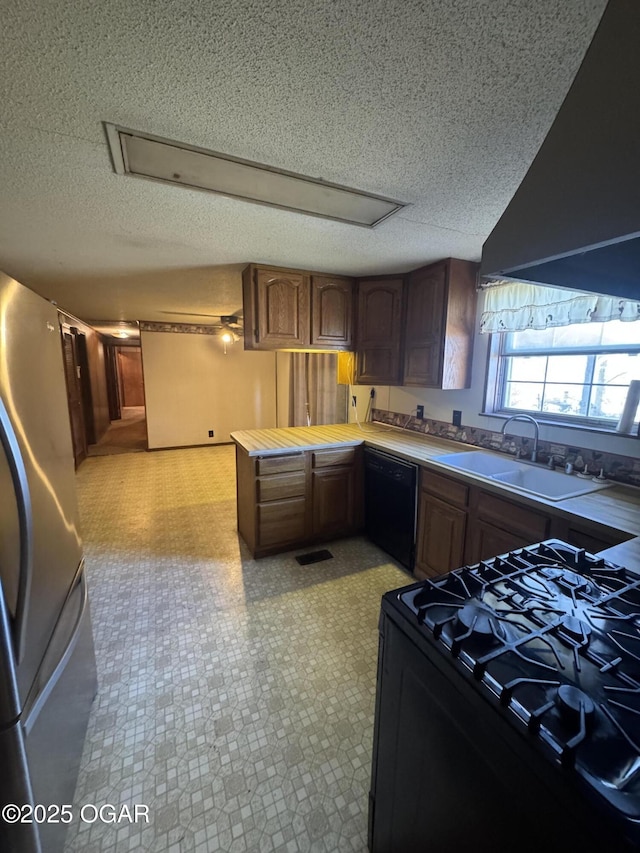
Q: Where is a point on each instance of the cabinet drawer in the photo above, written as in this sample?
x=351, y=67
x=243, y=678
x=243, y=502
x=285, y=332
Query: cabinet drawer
x=281, y=521
x=280, y=464
x=512, y=517
x=339, y=456
x=280, y=486
x=442, y=487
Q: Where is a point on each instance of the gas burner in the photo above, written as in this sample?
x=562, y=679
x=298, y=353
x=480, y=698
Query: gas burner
x=573, y=703
x=575, y=629
x=568, y=579
x=479, y=618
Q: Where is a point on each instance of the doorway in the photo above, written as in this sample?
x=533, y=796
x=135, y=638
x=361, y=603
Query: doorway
x=125, y=392
x=129, y=369
x=79, y=399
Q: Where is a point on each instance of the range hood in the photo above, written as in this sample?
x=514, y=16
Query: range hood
x=575, y=219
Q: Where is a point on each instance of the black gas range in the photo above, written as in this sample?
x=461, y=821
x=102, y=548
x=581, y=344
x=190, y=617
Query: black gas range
x=508, y=702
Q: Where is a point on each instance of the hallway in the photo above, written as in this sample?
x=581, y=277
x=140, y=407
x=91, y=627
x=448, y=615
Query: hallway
x=236, y=696
x=127, y=435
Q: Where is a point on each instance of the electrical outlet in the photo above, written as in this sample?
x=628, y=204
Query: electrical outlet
x=457, y=418
x=420, y=412
x=210, y=433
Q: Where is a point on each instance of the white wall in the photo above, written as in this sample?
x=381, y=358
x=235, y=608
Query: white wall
x=362, y=395
x=191, y=386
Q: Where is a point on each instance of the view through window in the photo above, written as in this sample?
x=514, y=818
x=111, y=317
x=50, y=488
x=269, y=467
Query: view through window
x=578, y=373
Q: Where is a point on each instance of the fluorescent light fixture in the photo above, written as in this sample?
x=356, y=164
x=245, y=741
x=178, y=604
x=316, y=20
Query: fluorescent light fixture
x=145, y=156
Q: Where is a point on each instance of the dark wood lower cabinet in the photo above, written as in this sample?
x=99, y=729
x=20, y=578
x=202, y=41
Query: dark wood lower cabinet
x=487, y=540
x=296, y=499
x=500, y=525
x=441, y=537
x=460, y=524
x=592, y=538
x=292, y=500
x=333, y=501
x=281, y=523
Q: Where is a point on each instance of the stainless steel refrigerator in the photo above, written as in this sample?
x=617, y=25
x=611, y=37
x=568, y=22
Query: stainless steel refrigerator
x=47, y=663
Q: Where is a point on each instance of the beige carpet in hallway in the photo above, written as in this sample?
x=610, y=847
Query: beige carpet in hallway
x=128, y=435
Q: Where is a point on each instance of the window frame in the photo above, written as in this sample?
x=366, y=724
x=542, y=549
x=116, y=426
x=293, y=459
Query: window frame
x=496, y=378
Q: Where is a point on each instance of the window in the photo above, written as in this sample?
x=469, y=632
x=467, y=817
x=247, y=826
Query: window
x=575, y=374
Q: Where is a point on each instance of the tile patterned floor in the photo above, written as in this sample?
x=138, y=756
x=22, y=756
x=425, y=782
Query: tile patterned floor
x=236, y=696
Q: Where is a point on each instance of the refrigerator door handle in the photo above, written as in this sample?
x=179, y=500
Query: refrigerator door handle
x=25, y=516
x=35, y=709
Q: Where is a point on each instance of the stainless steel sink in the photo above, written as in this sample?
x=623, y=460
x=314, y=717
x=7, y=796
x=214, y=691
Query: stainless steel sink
x=524, y=477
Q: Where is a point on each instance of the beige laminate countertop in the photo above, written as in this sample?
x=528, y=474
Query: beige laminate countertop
x=617, y=507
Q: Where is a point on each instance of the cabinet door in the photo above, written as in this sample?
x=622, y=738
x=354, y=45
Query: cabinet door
x=333, y=501
x=332, y=312
x=441, y=532
x=379, y=327
x=282, y=300
x=488, y=541
x=424, y=338
x=441, y=307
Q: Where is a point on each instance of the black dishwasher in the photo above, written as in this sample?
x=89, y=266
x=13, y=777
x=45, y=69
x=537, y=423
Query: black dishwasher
x=390, y=504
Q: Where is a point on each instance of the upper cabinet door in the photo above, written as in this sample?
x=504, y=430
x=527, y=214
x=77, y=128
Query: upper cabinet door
x=424, y=339
x=441, y=310
x=332, y=311
x=379, y=329
x=282, y=300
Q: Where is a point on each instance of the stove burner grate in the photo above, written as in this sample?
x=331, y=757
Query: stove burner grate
x=554, y=633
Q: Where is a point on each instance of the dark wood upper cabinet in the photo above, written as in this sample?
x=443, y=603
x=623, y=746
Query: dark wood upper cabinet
x=293, y=309
x=379, y=331
x=416, y=330
x=282, y=302
x=440, y=317
x=332, y=311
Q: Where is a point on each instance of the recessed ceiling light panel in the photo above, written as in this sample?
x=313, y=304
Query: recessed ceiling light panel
x=141, y=155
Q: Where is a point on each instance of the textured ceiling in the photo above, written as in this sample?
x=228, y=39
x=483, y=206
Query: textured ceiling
x=441, y=104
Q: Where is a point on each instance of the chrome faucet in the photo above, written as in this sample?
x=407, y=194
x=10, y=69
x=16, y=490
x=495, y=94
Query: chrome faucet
x=534, y=452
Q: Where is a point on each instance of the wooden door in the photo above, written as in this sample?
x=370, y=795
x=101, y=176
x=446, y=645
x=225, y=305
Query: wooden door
x=379, y=327
x=82, y=356
x=426, y=298
x=283, y=308
x=113, y=382
x=441, y=535
x=74, y=398
x=130, y=373
x=332, y=311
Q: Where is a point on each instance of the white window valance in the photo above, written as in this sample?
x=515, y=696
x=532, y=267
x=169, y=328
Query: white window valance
x=512, y=306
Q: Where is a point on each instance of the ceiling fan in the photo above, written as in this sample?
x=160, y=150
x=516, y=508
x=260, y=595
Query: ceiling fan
x=233, y=320
x=229, y=326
